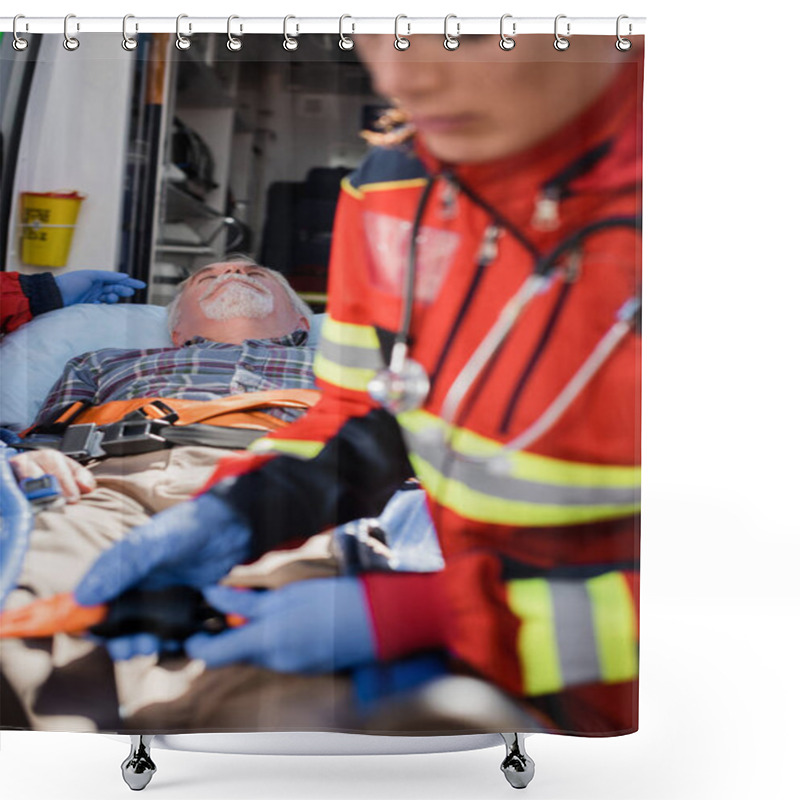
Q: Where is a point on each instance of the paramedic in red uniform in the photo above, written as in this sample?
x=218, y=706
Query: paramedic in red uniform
x=22, y=297
x=517, y=204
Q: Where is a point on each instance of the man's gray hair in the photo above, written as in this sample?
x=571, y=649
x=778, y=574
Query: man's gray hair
x=173, y=309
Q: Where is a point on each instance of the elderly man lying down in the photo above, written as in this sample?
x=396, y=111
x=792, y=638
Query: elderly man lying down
x=240, y=333
x=238, y=329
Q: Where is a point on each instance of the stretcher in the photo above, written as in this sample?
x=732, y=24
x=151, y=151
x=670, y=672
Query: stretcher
x=434, y=704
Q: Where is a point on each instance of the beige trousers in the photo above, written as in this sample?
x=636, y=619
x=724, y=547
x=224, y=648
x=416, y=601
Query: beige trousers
x=68, y=683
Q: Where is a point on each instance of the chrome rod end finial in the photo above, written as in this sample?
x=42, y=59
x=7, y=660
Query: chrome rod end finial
x=517, y=766
x=138, y=768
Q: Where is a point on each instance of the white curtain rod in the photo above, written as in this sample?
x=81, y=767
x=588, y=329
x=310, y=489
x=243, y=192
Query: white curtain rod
x=294, y=25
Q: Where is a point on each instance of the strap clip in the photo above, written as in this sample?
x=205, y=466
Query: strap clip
x=131, y=437
x=82, y=442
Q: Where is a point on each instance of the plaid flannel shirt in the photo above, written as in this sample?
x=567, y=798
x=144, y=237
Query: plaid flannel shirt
x=199, y=370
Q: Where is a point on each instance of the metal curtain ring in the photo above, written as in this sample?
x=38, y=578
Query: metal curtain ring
x=234, y=44
x=451, y=42
x=506, y=42
x=623, y=44
x=70, y=42
x=18, y=43
x=128, y=42
x=400, y=42
x=181, y=42
x=289, y=43
x=561, y=43
x=345, y=42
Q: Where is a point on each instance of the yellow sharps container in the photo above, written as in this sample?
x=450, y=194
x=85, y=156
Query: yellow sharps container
x=48, y=222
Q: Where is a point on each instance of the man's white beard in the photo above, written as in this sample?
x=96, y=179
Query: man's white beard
x=238, y=300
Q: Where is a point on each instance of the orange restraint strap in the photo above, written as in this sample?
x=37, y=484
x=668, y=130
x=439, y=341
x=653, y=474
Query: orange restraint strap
x=235, y=411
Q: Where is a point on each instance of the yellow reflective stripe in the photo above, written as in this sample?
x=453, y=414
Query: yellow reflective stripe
x=348, y=187
x=292, y=447
x=473, y=504
x=384, y=186
x=531, y=601
x=379, y=186
x=527, y=466
x=615, y=627
x=348, y=334
x=347, y=377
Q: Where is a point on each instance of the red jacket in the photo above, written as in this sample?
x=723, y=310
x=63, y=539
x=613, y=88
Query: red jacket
x=540, y=589
x=24, y=296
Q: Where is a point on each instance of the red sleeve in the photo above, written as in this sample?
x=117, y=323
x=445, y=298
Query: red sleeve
x=25, y=296
x=14, y=305
x=408, y=612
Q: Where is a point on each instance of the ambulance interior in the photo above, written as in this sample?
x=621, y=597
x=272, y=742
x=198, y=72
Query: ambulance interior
x=182, y=156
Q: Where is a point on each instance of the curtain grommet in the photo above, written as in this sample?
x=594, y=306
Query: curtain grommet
x=623, y=45
x=401, y=42
x=451, y=41
x=290, y=43
x=561, y=43
x=129, y=43
x=18, y=43
x=345, y=42
x=234, y=43
x=181, y=41
x=507, y=42
x=71, y=43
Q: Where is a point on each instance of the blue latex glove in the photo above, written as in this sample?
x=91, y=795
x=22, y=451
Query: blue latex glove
x=194, y=543
x=125, y=647
x=140, y=644
x=95, y=286
x=16, y=522
x=311, y=626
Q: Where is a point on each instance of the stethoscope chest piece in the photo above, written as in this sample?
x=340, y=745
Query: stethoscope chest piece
x=402, y=386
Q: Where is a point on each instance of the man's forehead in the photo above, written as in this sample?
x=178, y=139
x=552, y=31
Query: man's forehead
x=221, y=264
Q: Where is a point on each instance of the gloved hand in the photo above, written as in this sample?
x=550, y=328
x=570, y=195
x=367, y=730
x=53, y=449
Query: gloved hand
x=95, y=286
x=316, y=625
x=193, y=543
x=140, y=644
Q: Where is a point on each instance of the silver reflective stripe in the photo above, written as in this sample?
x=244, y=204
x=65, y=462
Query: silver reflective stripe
x=531, y=286
x=350, y=356
x=577, y=383
x=574, y=628
x=479, y=476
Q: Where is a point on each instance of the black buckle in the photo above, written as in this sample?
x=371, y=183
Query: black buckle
x=87, y=442
x=130, y=437
x=82, y=442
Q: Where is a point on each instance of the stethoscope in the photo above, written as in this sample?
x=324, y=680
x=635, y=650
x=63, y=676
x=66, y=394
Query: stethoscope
x=404, y=385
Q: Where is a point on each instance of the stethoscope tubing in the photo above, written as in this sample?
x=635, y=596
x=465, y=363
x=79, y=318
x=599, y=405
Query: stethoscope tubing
x=576, y=384
x=531, y=286
x=537, y=282
x=411, y=272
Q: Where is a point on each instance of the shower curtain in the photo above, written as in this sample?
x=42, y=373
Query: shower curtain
x=442, y=534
